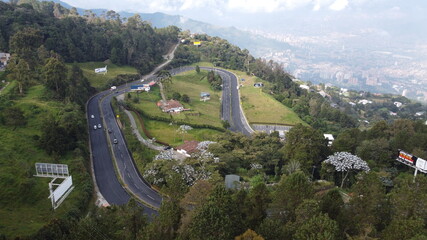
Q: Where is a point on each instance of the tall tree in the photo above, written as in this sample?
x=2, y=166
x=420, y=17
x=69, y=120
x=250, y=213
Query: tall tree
x=20, y=72
x=367, y=210
x=306, y=145
x=408, y=198
x=249, y=235
x=78, y=89
x=403, y=229
x=332, y=204
x=319, y=227
x=290, y=192
x=258, y=201
x=55, y=73
x=217, y=219
x=345, y=162
x=24, y=44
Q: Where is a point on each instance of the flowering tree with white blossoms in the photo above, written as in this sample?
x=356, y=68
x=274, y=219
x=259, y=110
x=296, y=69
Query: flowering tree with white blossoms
x=345, y=162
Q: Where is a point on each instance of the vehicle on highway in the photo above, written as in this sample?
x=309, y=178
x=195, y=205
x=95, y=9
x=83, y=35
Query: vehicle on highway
x=115, y=141
x=94, y=127
x=109, y=130
x=92, y=116
x=99, y=126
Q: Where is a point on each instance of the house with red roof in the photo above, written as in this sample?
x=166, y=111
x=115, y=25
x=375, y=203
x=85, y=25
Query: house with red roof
x=188, y=148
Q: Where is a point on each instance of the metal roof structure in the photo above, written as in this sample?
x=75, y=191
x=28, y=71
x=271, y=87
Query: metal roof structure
x=52, y=170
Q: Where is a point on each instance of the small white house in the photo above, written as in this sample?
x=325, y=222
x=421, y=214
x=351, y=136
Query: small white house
x=188, y=148
x=205, y=96
x=397, y=104
x=259, y=84
x=302, y=86
x=364, y=101
x=143, y=87
x=330, y=139
x=4, y=59
x=101, y=70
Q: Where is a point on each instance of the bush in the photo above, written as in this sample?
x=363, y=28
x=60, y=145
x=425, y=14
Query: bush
x=185, y=98
x=177, y=96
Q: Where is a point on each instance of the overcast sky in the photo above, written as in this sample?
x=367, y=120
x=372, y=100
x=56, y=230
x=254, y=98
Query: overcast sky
x=273, y=14
x=247, y=6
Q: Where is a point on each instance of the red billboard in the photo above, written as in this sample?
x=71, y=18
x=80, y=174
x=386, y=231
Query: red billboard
x=406, y=158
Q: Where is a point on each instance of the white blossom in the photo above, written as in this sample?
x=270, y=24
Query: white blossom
x=204, y=145
x=185, y=128
x=344, y=161
x=256, y=166
x=164, y=155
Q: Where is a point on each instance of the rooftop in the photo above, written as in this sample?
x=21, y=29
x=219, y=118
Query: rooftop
x=189, y=146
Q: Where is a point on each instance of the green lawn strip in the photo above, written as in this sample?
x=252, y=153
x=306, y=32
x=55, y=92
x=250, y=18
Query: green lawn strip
x=168, y=133
x=193, y=84
x=99, y=80
x=260, y=107
x=25, y=206
x=138, y=124
x=202, y=64
x=7, y=90
x=189, y=83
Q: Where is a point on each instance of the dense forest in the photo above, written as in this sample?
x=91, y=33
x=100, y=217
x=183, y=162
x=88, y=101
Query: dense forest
x=300, y=188
x=42, y=109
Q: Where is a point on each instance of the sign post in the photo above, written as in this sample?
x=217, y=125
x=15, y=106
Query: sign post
x=412, y=161
x=56, y=171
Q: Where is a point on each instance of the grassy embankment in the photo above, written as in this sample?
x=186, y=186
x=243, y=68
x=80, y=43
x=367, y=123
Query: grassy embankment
x=202, y=113
x=25, y=207
x=99, y=80
x=261, y=107
x=258, y=106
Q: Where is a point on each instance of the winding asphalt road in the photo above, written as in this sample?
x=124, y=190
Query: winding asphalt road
x=105, y=177
x=231, y=110
x=103, y=148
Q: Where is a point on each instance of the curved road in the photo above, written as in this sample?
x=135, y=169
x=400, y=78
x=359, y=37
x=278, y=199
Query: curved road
x=101, y=141
x=231, y=110
x=105, y=177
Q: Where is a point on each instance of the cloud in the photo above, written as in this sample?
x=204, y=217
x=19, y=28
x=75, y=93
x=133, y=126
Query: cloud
x=338, y=5
x=243, y=6
x=253, y=6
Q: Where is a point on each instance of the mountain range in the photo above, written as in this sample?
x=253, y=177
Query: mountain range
x=256, y=44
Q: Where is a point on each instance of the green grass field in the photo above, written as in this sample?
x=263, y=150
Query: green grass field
x=260, y=107
x=100, y=81
x=202, y=64
x=24, y=202
x=192, y=84
x=165, y=132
